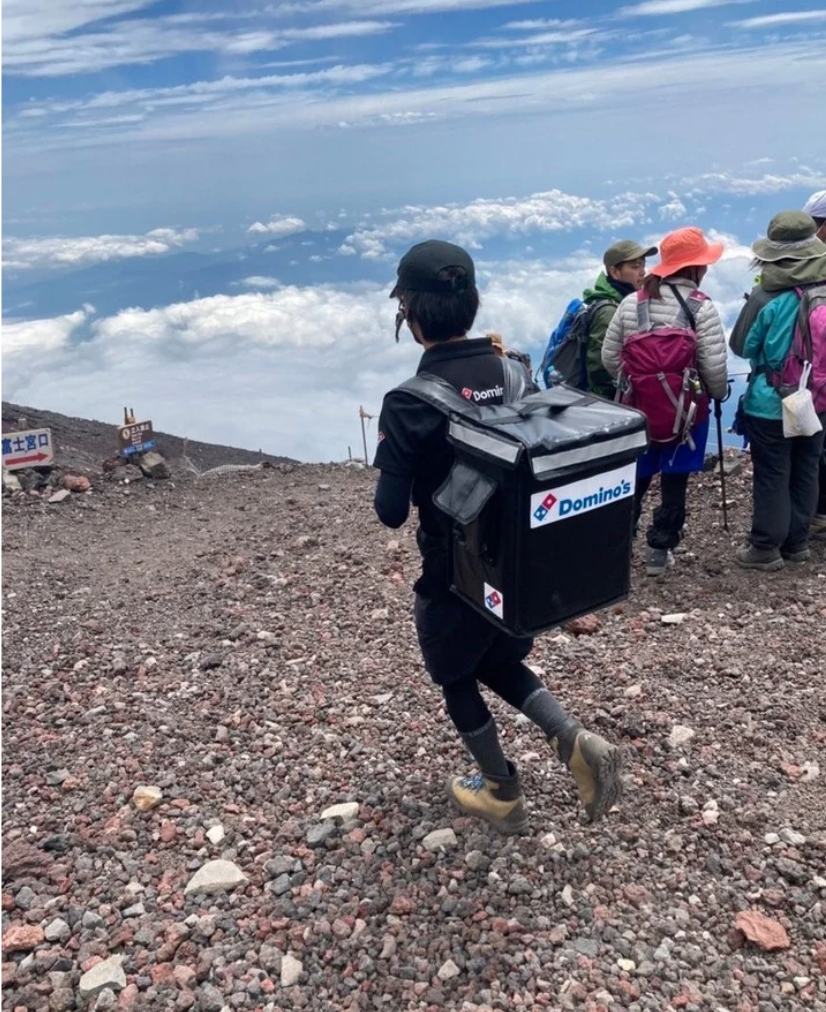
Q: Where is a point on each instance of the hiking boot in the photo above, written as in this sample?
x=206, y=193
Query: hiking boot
x=497, y=800
x=818, y=528
x=768, y=559
x=796, y=554
x=595, y=766
x=657, y=560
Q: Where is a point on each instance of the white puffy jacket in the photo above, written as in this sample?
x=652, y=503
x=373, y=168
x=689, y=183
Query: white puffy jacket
x=665, y=312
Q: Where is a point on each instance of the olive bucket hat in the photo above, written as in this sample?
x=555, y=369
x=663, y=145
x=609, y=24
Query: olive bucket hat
x=790, y=236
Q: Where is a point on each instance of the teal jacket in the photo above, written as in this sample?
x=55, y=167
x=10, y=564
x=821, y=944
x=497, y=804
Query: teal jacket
x=767, y=344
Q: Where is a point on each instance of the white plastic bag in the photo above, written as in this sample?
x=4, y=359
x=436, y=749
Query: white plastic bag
x=799, y=415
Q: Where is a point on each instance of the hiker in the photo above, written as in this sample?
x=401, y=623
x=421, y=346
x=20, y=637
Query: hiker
x=778, y=277
x=574, y=350
x=792, y=261
x=670, y=298
x=624, y=274
x=816, y=207
x=438, y=300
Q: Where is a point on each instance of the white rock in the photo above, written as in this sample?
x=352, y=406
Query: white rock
x=633, y=691
x=811, y=771
x=680, y=735
x=548, y=840
x=345, y=811
x=771, y=839
x=57, y=931
x=627, y=964
x=109, y=974
x=568, y=896
x=215, y=877
x=448, y=970
x=677, y=618
x=60, y=496
x=265, y=636
x=383, y=698
x=439, y=839
x=792, y=837
x=146, y=796
x=711, y=813
x=291, y=970
x=11, y=482
x=215, y=834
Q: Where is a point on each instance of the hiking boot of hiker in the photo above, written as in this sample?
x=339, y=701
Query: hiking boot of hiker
x=497, y=800
x=768, y=559
x=818, y=528
x=595, y=765
x=657, y=560
x=796, y=554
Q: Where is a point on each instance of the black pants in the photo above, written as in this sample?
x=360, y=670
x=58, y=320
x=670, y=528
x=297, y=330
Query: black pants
x=821, y=493
x=669, y=517
x=785, y=489
x=462, y=648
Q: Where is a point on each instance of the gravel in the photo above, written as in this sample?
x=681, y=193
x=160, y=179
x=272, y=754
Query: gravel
x=119, y=604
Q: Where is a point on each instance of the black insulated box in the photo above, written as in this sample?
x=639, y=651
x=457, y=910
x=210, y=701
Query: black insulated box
x=542, y=498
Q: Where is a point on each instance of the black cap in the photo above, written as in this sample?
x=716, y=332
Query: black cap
x=419, y=268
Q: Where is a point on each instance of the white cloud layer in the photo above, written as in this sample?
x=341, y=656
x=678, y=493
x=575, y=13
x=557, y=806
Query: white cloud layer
x=278, y=226
x=22, y=254
x=289, y=367
x=474, y=222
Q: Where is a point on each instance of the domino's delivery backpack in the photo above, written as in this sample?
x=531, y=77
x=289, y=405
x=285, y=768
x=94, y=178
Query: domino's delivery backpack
x=541, y=496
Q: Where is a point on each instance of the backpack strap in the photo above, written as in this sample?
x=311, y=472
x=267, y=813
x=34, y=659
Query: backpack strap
x=803, y=323
x=643, y=312
x=695, y=296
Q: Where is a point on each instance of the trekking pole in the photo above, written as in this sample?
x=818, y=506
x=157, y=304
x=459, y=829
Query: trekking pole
x=718, y=414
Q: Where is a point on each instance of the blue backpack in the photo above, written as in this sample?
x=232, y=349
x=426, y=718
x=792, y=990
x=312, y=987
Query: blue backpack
x=566, y=355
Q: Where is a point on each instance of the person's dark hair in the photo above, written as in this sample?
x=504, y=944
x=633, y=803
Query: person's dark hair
x=443, y=315
x=653, y=282
x=820, y=222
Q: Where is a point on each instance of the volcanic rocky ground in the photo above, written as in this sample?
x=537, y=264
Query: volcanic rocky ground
x=243, y=643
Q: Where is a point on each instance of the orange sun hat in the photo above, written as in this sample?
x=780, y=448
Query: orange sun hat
x=685, y=247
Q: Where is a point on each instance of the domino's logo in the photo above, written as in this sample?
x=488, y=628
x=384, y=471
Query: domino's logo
x=545, y=507
x=467, y=393
x=582, y=496
x=494, y=602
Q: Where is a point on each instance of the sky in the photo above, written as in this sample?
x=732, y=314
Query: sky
x=204, y=205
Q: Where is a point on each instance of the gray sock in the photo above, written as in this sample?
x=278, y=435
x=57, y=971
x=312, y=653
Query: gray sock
x=543, y=708
x=484, y=746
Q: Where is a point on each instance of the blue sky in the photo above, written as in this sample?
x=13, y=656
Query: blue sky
x=315, y=140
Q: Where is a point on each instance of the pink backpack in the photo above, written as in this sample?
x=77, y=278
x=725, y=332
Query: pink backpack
x=808, y=345
x=658, y=372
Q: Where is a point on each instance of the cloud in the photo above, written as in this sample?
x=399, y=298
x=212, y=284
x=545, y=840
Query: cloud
x=673, y=208
x=472, y=223
x=39, y=337
x=257, y=281
x=732, y=182
x=78, y=251
x=142, y=41
x=644, y=86
x=26, y=20
x=379, y=8
x=201, y=92
x=652, y=8
x=278, y=226
x=785, y=18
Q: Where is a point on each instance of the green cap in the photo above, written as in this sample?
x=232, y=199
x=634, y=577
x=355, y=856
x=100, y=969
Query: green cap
x=626, y=249
x=790, y=236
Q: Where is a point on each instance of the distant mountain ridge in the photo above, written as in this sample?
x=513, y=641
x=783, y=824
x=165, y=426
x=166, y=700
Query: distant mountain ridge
x=83, y=443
